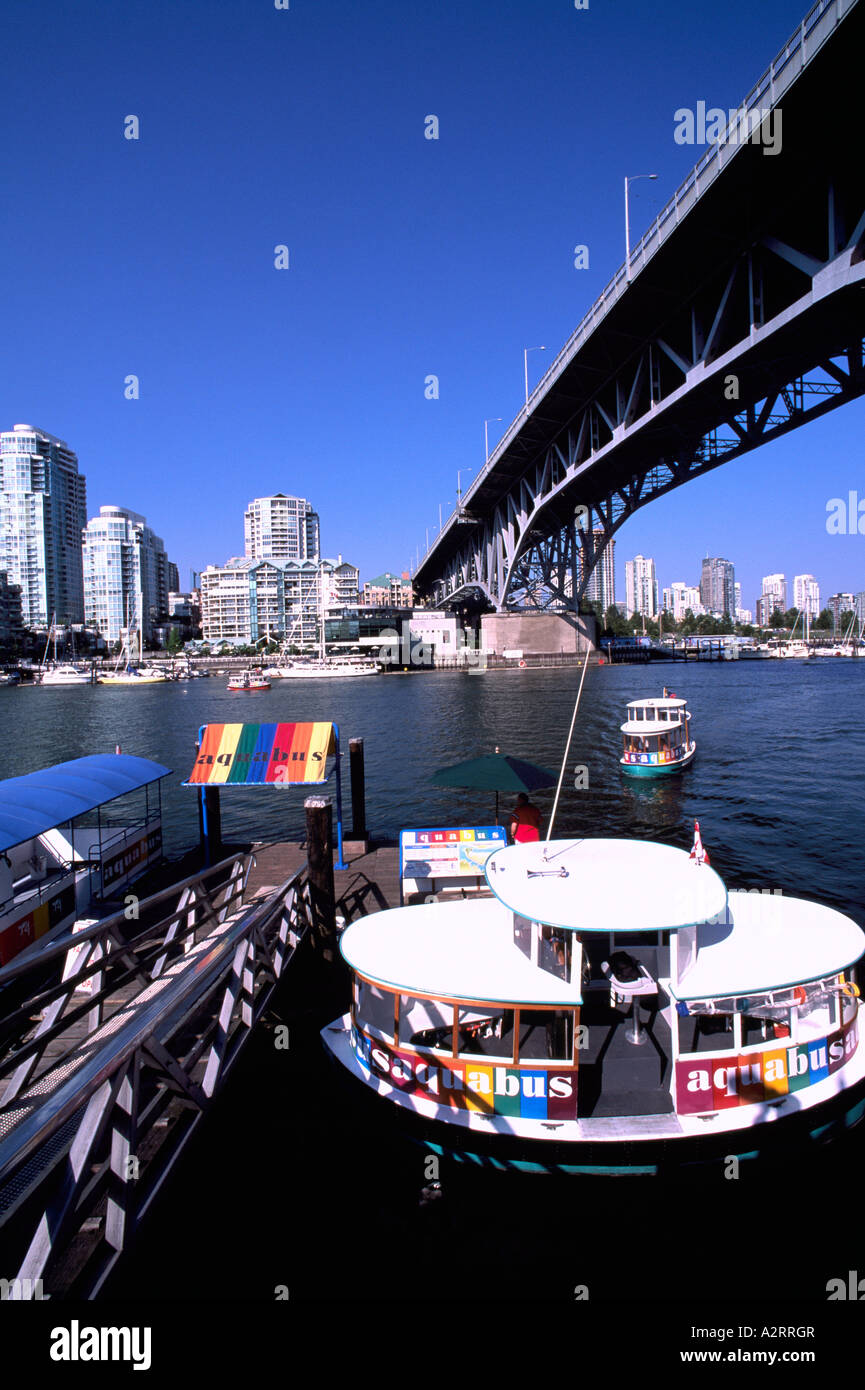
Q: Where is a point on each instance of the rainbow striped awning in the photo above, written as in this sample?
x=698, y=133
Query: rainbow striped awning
x=249, y=754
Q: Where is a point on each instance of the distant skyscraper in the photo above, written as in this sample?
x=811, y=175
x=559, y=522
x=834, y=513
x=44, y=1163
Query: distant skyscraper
x=839, y=604
x=641, y=586
x=125, y=573
x=281, y=528
x=679, y=598
x=718, y=586
x=601, y=587
x=806, y=594
x=43, y=507
x=775, y=589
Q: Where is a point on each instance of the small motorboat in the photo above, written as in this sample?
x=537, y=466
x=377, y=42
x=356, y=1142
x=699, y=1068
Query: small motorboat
x=248, y=680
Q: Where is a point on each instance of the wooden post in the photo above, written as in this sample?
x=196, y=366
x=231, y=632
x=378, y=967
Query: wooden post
x=358, y=789
x=319, y=854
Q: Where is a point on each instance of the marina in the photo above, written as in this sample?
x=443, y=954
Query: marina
x=371, y=882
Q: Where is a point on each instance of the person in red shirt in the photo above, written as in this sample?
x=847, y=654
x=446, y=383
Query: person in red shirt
x=525, y=820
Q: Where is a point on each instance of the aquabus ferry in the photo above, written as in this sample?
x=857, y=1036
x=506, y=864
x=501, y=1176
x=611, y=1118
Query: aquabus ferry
x=608, y=1007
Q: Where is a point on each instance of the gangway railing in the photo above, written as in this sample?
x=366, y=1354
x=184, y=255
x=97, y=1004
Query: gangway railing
x=98, y=1101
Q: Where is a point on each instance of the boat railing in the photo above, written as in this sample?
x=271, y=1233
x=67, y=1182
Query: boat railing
x=97, y=1102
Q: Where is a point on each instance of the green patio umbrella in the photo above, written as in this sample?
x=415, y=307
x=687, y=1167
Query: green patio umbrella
x=497, y=772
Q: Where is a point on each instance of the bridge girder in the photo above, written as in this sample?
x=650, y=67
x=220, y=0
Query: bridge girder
x=770, y=343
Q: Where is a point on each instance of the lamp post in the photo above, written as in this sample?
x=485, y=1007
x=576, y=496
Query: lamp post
x=526, y=352
x=460, y=472
x=494, y=419
x=631, y=179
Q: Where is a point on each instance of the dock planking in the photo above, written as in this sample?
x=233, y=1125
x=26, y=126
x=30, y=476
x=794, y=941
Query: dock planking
x=370, y=883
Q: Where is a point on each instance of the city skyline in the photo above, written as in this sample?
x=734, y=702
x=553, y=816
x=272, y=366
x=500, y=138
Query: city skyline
x=203, y=374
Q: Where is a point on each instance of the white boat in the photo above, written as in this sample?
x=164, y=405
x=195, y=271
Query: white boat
x=657, y=737
x=65, y=674
x=326, y=668
x=495, y=1028
x=248, y=681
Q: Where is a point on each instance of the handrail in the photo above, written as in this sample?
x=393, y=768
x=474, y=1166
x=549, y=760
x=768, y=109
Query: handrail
x=613, y=291
x=187, y=986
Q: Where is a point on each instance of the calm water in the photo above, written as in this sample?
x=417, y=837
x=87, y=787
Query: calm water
x=289, y=1183
x=776, y=784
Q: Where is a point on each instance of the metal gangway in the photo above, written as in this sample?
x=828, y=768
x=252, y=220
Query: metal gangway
x=106, y=1073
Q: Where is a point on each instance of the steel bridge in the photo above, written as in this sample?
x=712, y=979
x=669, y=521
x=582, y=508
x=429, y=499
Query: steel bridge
x=739, y=317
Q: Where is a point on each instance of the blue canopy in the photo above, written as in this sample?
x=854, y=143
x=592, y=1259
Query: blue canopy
x=42, y=800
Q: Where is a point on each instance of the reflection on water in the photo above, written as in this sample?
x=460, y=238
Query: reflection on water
x=775, y=783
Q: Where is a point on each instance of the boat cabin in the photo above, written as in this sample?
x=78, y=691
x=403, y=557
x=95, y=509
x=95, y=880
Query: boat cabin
x=60, y=852
x=606, y=980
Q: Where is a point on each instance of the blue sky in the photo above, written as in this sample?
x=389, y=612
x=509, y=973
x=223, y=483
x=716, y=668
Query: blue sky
x=408, y=257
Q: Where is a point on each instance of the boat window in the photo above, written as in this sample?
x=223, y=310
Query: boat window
x=374, y=1010
x=546, y=1035
x=485, y=1030
x=426, y=1023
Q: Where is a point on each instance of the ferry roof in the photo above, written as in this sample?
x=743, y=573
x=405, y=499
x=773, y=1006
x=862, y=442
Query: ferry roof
x=766, y=942
x=460, y=950
x=606, y=885
x=41, y=800
x=650, y=726
x=666, y=702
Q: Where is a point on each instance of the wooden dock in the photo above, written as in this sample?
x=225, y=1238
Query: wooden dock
x=369, y=884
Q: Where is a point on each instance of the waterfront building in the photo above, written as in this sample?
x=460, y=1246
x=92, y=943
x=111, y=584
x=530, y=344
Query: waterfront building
x=10, y=611
x=172, y=577
x=125, y=573
x=806, y=594
x=775, y=590
x=680, y=597
x=601, y=587
x=839, y=604
x=718, y=586
x=387, y=591
x=247, y=599
x=641, y=587
x=859, y=608
x=43, y=508
x=281, y=528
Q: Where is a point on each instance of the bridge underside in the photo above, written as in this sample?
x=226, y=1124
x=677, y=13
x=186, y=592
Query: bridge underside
x=746, y=324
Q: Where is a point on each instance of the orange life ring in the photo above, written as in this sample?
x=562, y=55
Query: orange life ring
x=522, y=663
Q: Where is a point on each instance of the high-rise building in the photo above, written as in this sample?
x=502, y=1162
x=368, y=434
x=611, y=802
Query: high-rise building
x=246, y=600
x=641, y=586
x=679, y=598
x=281, y=528
x=601, y=587
x=125, y=573
x=806, y=594
x=718, y=586
x=859, y=608
x=10, y=611
x=43, y=507
x=839, y=604
x=775, y=590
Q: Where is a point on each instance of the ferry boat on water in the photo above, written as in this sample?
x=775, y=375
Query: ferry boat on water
x=657, y=737
x=495, y=1028
x=60, y=852
x=248, y=681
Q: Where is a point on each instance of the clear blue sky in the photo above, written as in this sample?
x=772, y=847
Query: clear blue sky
x=408, y=257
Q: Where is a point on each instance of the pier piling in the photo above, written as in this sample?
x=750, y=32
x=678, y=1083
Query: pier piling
x=358, y=790
x=319, y=849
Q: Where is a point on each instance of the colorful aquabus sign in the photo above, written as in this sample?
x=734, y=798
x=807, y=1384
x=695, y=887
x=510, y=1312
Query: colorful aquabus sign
x=494, y=1089
x=722, y=1082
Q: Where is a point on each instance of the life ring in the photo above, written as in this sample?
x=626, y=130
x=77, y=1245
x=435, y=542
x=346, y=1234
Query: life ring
x=601, y=660
x=522, y=663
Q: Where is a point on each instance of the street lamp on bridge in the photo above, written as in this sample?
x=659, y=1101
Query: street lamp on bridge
x=460, y=472
x=526, y=352
x=631, y=179
x=493, y=420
